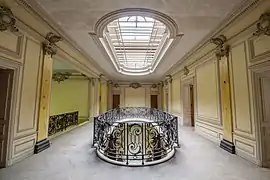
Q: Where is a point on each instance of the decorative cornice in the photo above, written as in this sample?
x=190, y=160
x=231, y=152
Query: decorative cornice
x=244, y=7
x=135, y=85
x=263, y=26
x=36, y=10
x=7, y=20
x=50, y=43
x=222, y=48
x=60, y=76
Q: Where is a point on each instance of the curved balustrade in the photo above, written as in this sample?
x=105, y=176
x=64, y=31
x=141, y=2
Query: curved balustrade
x=135, y=136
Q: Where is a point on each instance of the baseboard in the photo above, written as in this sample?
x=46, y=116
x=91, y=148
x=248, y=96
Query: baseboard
x=42, y=145
x=227, y=146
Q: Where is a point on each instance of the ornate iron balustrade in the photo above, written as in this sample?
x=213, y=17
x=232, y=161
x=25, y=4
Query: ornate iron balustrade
x=135, y=136
x=61, y=122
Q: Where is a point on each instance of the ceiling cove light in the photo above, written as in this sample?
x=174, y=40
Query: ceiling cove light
x=136, y=40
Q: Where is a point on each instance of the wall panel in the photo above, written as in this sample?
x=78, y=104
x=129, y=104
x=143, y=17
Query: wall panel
x=29, y=90
x=176, y=104
x=11, y=45
x=135, y=97
x=207, y=91
x=240, y=89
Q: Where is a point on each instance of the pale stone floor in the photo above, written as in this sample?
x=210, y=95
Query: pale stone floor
x=71, y=158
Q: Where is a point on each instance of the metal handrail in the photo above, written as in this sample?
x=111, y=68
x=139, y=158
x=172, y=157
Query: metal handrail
x=135, y=136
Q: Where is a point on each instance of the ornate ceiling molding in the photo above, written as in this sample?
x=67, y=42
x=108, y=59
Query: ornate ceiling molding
x=222, y=48
x=36, y=10
x=61, y=76
x=263, y=25
x=100, y=38
x=135, y=85
x=165, y=19
x=50, y=43
x=7, y=20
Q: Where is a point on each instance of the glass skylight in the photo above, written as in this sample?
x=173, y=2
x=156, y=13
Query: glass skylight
x=136, y=43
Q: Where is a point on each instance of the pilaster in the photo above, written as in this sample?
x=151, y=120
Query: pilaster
x=49, y=49
x=222, y=54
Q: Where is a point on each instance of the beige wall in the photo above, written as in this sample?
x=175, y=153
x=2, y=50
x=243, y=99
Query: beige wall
x=207, y=100
x=22, y=53
x=130, y=97
x=69, y=96
x=248, y=56
x=175, y=101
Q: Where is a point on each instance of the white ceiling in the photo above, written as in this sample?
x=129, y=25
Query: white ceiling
x=195, y=18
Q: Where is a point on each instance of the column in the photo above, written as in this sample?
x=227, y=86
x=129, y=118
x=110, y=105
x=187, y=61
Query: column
x=222, y=54
x=45, y=92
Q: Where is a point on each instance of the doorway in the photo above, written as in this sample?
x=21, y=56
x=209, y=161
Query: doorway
x=263, y=104
x=188, y=103
x=191, y=95
x=6, y=81
x=154, y=101
x=116, y=101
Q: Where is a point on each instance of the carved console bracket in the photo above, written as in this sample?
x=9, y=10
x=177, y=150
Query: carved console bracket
x=263, y=25
x=135, y=85
x=7, y=20
x=186, y=71
x=222, y=48
x=154, y=86
x=50, y=43
x=168, y=79
x=60, y=76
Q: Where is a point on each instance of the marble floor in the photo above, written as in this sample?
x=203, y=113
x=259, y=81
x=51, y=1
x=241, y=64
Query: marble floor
x=71, y=158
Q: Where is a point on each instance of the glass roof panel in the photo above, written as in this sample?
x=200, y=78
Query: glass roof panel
x=136, y=41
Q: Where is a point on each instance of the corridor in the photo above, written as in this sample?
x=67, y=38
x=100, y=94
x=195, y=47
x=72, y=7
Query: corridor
x=71, y=158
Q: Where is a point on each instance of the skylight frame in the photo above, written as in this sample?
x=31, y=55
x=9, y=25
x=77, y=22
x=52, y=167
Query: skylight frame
x=101, y=38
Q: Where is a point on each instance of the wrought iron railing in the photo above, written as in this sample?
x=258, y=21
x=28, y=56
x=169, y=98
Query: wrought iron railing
x=61, y=122
x=135, y=136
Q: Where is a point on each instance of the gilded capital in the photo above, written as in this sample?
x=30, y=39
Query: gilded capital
x=50, y=43
x=222, y=48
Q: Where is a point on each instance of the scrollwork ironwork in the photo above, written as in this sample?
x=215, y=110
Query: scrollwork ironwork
x=142, y=141
x=61, y=122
